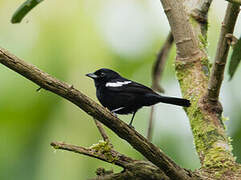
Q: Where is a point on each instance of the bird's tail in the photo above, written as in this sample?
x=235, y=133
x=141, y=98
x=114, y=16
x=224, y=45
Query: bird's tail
x=175, y=101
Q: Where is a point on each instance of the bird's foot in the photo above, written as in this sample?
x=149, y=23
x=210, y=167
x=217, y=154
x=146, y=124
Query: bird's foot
x=132, y=127
x=114, y=114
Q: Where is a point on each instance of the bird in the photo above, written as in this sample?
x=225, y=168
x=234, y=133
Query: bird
x=123, y=96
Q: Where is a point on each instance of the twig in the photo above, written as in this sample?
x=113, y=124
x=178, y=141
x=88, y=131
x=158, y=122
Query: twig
x=139, y=170
x=217, y=73
x=24, y=9
x=136, y=140
x=160, y=62
x=157, y=72
x=150, y=124
x=101, y=130
x=111, y=157
x=132, y=168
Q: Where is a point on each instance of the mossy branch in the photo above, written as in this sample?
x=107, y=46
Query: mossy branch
x=192, y=68
x=103, y=151
x=133, y=169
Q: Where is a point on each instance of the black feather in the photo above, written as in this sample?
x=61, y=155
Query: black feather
x=123, y=96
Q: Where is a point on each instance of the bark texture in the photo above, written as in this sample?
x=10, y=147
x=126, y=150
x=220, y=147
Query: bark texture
x=188, y=22
x=136, y=140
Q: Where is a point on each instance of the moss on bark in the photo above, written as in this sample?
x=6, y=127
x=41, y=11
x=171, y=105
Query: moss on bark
x=210, y=139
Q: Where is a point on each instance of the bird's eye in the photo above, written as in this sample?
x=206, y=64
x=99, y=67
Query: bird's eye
x=102, y=74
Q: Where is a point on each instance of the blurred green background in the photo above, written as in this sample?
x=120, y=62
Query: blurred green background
x=68, y=39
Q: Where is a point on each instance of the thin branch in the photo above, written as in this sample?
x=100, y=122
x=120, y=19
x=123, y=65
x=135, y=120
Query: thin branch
x=133, y=169
x=235, y=1
x=150, y=124
x=160, y=62
x=139, y=170
x=24, y=9
x=112, y=157
x=217, y=73
x=157, y=72
x=101, y=130
x=136, y=140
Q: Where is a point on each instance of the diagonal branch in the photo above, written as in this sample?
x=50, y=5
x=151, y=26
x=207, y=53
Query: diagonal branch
x=217, y=73
x=136, y=140
x=110, y=155
x=101, y=130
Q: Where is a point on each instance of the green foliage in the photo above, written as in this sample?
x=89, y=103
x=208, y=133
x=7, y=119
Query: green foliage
x=203, y=41
x=235, y=59
x=23, y=10
x=104, y=147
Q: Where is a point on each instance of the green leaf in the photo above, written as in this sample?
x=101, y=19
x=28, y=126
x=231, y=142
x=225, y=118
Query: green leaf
x=23, y=10
x=235, y=59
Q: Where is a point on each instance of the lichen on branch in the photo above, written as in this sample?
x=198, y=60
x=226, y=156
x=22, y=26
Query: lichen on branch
x=192, y=69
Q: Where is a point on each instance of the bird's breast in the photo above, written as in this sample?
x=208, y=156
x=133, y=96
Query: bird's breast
x=104, y=96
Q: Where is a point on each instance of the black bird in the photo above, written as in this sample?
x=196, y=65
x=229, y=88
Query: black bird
x=123, y=96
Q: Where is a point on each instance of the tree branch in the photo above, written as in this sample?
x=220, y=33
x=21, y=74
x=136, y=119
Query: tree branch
x=186, y=43
x=102, y=131
x=102, y=151
x=199, y=16
x=136, y=140
x=217, y=73
x=139, y=170
x=160, y=62
x=150, y=124
x=133, y=169
x=235, y=1
x=24, y=9
x=157, y=72
x=192, y=69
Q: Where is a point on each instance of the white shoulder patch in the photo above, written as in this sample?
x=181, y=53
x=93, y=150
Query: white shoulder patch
x=117, y=84
x=117, y=109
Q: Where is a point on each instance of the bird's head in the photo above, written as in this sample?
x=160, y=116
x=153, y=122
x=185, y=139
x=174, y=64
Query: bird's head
x=103, y=75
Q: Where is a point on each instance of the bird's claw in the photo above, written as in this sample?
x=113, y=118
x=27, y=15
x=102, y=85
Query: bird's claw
x=113, y=113
x=132, y=127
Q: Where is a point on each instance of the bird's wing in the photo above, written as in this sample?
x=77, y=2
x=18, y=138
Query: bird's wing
x=131, y=87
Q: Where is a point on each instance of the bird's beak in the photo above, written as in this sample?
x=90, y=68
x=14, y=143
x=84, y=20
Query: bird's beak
x=92, y=75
